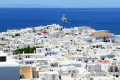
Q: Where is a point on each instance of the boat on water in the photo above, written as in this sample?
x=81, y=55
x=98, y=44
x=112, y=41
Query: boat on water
x=64, y=19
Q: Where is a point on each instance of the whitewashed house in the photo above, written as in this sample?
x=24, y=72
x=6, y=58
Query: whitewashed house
x=9, y=69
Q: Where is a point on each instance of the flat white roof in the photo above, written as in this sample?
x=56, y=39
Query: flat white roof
x=9, y=62
x=50, y=72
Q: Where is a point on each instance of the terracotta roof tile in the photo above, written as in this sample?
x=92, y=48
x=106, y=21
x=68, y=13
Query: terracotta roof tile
x=90, y=29
x=100, y=34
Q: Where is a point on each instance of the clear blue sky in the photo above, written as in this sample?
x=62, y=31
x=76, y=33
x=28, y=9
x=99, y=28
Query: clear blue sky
x=61, y=3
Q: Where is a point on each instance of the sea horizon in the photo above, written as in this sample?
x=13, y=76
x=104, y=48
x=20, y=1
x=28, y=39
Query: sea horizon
x=97, y=18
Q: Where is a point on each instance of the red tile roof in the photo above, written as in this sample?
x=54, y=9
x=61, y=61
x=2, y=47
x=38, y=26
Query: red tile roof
x=43, y=31
x=90, y=29
x=100, y=34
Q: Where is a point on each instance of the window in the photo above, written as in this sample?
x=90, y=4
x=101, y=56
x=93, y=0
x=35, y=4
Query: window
x=77, y=49
x=3, y=59
x=20, y=77
x=60, y=77
x=45, y=54
x=92, y=60
x=114, y=59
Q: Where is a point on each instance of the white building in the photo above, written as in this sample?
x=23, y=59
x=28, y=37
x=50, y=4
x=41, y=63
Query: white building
x=9, y=69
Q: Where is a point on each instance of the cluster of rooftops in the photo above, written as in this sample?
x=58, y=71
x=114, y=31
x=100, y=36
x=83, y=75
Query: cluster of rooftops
x=78, y=53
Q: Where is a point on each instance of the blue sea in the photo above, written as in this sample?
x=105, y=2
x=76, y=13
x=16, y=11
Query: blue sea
x=98, y=18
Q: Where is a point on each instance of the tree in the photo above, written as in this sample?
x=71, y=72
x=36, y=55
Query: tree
x=27, y=50
x=17, y=34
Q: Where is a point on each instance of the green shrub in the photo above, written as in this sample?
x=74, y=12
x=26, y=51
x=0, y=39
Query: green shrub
x=26, y=50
